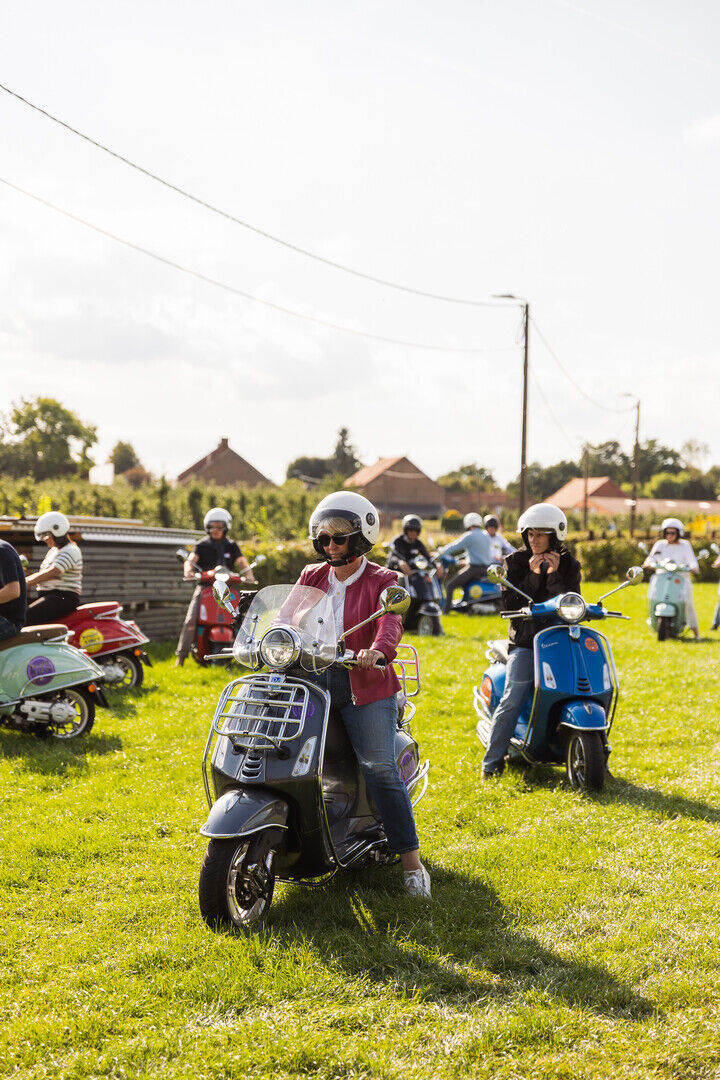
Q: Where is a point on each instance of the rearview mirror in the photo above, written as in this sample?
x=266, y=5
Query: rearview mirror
x=221, y=592
x=643, y=547
x=395, y=600
x=635, y=575
x=497, y=574
x=715, y=549
x=260, y=559
x=704, y=554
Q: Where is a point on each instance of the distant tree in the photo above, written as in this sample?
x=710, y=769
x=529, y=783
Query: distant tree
x=470, y=477
x=44, y=439
x=345, y=460
x=693, y=454
x=123, y=457
x=137, y=476
x=682, y=485
x=311, y=468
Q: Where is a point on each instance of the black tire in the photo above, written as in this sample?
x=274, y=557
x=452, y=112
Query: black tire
x=585, y=761
x=663, y=627
x=134, y=672
x=237, y=880
x=83, y=704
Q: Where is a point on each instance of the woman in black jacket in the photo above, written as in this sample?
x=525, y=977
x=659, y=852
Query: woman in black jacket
x=545, y=568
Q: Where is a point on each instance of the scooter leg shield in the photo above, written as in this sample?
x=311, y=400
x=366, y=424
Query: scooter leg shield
x=240, y=813
x=583, y=716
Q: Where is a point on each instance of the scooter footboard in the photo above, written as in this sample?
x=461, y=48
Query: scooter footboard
x=240, y=813
x=583, y=716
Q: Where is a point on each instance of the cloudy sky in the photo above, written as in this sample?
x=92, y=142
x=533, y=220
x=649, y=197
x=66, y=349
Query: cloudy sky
x=567, y=152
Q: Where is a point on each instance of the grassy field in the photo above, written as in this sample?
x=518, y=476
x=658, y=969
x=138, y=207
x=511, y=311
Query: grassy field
x=569, y=936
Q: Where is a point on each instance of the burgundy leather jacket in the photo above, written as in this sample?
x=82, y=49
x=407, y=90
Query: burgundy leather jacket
x=362, y=598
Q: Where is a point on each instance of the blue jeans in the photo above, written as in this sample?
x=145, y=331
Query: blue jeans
x=371, y=730
x=7, y=629
x=518, y=681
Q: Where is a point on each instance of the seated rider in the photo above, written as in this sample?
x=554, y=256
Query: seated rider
x=216, y=550
x=13, y=595
x=59, y=579
x=343, y=527
x=402, y=553
x=499, y=547
x=476, y=542
x=543, y=568
x=678, y=550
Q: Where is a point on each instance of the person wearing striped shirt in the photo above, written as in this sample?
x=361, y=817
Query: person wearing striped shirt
x=59, y=579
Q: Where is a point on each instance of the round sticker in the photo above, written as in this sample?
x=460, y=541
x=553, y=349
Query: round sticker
x=406, y=766
x=296, y=711
x=475, y=591
x=91, y=640
x=40, y=670
x=591, y=644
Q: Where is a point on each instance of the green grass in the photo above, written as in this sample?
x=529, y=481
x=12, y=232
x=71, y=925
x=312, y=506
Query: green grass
x=569, y=936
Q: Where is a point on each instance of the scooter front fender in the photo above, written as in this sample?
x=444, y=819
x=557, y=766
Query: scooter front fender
x=240, y=813
x=665, y=609
x=583, y=716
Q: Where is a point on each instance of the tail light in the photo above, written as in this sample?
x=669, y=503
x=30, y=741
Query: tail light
x=486, y=689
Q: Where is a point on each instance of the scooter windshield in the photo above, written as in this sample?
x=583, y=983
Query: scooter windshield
x=303, y=610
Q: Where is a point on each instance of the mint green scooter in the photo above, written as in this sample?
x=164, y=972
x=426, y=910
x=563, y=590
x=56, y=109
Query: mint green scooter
x=48, y=687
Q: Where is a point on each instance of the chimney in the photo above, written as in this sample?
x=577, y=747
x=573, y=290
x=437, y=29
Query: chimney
x=223, y=444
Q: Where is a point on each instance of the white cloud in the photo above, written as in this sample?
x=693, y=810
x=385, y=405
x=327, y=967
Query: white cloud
x=703, y=132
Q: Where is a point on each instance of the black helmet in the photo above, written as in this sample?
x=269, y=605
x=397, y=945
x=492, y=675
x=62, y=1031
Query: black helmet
x=492, y=520
x=411, y=521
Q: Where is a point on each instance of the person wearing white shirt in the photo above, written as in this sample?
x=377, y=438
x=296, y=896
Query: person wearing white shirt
x=678, y=550
x=499, y=546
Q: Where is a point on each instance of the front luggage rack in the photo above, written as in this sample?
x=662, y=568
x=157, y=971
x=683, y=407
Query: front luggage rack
x=256, y=712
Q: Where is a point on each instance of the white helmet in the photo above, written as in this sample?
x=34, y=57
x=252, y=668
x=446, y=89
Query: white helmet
x=52, y=522
x=362, y=518
x=217, y=514
x=543, y=516
x=472, y=520
x=672, y=523
x=492, y=519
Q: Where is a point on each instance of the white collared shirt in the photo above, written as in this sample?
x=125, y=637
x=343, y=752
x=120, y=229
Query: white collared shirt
x=336, y=592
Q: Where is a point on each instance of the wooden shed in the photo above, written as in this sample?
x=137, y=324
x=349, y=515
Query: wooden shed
x=126, y=561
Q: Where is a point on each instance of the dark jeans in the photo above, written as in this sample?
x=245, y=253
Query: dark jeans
x=474, y=570
x=7, y=629
x=371, y=730
x=52, y=605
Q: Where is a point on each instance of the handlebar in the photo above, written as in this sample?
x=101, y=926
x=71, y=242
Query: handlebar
x=351, y=661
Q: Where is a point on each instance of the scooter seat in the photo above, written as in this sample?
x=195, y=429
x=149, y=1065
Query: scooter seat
x=102, y=608
x=32, y=634
x=499, y=650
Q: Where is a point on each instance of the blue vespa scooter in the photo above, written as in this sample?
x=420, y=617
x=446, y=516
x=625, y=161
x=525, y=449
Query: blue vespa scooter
x=566, y=719
x=481, y=596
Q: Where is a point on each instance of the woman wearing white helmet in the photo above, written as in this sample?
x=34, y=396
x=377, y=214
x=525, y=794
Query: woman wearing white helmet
x=216, y=550
x=476, y=542
x=343, y=528
x=59, y=579
x=542, y=569
x=673, y=546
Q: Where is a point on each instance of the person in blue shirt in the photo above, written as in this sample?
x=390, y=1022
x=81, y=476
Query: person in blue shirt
x=478, y=545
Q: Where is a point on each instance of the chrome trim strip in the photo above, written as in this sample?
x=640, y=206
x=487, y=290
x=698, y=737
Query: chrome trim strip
x=235, y=835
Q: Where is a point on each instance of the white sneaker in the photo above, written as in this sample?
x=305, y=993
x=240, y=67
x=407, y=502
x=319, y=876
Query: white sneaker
x=417, y=883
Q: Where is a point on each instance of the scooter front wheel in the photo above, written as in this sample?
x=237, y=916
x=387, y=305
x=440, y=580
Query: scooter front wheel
x=663, y=627
x=585, y=761
x=237, y=880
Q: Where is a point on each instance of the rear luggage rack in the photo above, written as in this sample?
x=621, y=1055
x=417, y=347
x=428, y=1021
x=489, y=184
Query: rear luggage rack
x=408, y=669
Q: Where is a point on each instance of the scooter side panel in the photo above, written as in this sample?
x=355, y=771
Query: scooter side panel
x=239, y=813
x=42, y=668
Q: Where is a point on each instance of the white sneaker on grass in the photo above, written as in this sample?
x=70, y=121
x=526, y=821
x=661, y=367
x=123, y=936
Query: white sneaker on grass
x=417, y=883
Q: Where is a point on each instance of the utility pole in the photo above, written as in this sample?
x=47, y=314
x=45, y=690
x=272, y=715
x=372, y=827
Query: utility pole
x=525, y=304
x=636, y=468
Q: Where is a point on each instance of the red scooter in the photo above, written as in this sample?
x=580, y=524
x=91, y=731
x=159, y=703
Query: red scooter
x=115, y=644
x=214, y=631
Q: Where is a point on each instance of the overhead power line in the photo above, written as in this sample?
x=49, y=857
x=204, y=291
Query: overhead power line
x=245, y=295
x=578, y=387
x=571, y=439
x=428, y=295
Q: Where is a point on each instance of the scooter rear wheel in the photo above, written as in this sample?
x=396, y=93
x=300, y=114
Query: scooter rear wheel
x=83, y=706
x=237, y=880
x=134, y=673
x=585, y=761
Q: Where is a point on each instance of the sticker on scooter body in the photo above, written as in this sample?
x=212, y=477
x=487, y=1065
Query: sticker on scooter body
x=40, y=670
x=91, y=640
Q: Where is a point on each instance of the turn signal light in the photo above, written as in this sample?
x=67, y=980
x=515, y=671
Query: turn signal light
x=137, y=652
x=486, y=690
x=92, y=687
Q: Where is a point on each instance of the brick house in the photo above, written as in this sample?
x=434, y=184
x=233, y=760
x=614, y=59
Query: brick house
x=571, y=496
x=224, y=467
x=397, y=487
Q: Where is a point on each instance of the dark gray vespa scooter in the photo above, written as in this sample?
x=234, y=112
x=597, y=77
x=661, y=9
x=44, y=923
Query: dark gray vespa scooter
x=287, y=797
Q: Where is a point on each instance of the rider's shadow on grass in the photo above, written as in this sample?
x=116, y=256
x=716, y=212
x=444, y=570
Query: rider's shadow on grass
x=57, y=756
x=617, y=790
x=461, y=947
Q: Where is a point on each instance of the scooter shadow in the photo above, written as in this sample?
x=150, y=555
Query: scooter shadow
x=461, y=947
x=55, y=756
x=624, y=791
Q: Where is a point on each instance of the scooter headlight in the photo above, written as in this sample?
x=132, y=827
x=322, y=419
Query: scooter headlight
x=279, y=647
x=572, y=607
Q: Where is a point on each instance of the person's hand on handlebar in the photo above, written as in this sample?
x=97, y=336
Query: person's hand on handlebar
x=368, y=658
x=406, y=569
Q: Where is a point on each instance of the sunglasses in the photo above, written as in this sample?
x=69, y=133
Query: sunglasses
x=339, y=539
